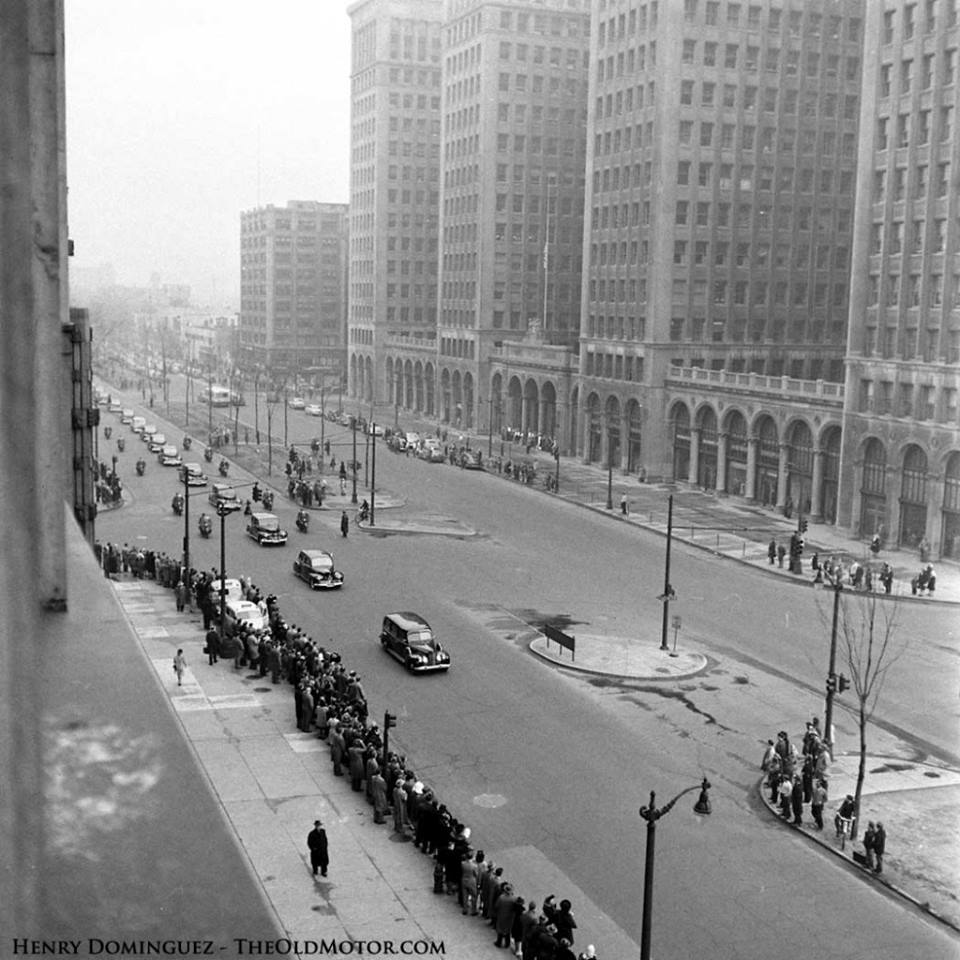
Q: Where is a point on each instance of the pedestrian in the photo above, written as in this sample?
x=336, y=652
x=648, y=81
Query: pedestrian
x=344, y=523
x=212, y=645
x=781, y=553
x=319, y=855
x=879, y=846
x=468, y=885
x=818, y=799
x=772, y=551
x=624, y=508
x=768, y=756
x=796, y=799
x=179, y=666
x=869, y=838
x=844, y=817
x=180, y=595
x=378, y=792
x=503, y=915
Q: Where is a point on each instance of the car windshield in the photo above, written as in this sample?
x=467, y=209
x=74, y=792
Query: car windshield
x=424, y=638
x=268, y=523
x=226, y=493
x=321, y=563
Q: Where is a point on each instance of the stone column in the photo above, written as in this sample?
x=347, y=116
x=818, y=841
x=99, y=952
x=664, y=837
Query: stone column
x=751, y=488
x=694, y=456
x=721, y=484
x=782, y=475
x=816, y=492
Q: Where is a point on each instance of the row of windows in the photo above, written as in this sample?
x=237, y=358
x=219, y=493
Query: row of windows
x=543, y=24
x=518, y=82
x=912, y=343
x=547, y=146
x=409, y=101
x=517, y=202
x=891, y=235
x=407, y=290
x=928, y=69
x=918, y=179
x=915, y=128
x=907, y=23
x=787, y=179
x=761, y=256
x=911, y=287
x=908, y=400
x=537, y=113
x=617, y=328
x=823, y=105
x=572, y=57
x=704, y=213
x=613, y=366
x=736, y=15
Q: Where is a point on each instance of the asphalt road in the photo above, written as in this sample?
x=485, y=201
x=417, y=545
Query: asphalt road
x=530, y=755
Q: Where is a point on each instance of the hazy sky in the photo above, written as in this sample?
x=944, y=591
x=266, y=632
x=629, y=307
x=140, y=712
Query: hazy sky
x=182, y=113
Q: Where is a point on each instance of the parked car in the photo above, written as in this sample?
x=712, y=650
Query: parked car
x=315, y=567
x=265, y=529
x=147, y=432
x=156, y=442
x=169, y=456
x=375, y=429
x=313, y=409
x=126, y=414
x=137, y=424
x=232, y=589
x=408, y=638
x=242, y=613
x=297, y=403
x=223, y=493
x=471, y=460
x=411, y=439
x=194, y=474
x=431, y=452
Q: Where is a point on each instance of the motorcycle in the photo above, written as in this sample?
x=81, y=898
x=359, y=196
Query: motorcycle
x=107, y=431
x=303, y=521
x=186, y=443
x=267, y=500
x=206, y=525
x=364, y=512
x=224, y=468
x=177, y=504
x=141, y=467
x=208, y=454
x=121, y=443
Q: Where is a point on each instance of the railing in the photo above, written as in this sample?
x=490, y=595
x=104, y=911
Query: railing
x=758, y=381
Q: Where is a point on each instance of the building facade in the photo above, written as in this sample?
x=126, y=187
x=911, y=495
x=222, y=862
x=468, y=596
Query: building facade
x=293, y=292
x=901, y=429
x=394, y=183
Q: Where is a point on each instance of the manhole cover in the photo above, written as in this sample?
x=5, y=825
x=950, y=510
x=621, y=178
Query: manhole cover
x=490, y=800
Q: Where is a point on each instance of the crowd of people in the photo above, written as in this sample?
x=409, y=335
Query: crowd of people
x=330, y=703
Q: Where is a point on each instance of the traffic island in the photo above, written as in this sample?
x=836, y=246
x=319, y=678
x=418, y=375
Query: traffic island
x=623, y=657
x=425, y=525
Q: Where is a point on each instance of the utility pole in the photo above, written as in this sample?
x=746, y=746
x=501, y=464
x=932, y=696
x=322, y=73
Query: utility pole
x=373, y=472
x=667, y=589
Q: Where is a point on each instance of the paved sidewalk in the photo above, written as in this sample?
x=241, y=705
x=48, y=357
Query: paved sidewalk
x=273, y=781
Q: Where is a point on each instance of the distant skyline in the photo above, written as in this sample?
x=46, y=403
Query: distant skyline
x=180, y=115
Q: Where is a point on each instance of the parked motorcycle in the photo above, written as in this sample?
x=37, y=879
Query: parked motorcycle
x=206, y=525
x=223, y=467
x=177, y=504
x=303, y=521
x=141, y=467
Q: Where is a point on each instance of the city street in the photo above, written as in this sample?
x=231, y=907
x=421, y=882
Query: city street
x=533, y=756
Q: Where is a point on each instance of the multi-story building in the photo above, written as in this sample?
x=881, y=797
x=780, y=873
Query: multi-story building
x=720, y=186
x=901, y=444
x=394, y=183
x=511, y=218
x=293, y=294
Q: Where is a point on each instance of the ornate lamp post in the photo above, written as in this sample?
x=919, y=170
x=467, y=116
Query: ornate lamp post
x=222, y=513
x=651, y=814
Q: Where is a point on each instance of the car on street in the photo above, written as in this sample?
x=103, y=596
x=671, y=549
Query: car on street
x=126, y=414
x=115, y=407
x=431, y=451
x=169, y=456
x=408, y=638
x=147, y=432
x=297, y=403
x=265, y=529
x=232, y=590
x=315, y=568
x=343, y=419
x=374, y=429
x=223, y=495
x=156, y=443
x=313, y=409
x=137, y=424
x=471, y=460
x=194, y=475
x=238, y=614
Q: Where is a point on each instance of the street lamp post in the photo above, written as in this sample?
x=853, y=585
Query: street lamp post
x=373, y=472
x=186, y=533
x=222, y=514
x=651, y=814
x=609, y=470
x=668, y=591
x=832, y=671
x=353, y=424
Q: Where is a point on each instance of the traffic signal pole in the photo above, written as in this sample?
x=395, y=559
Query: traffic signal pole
x=832, y=670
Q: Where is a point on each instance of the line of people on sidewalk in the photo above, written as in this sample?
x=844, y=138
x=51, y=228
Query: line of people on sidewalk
x=330, y=702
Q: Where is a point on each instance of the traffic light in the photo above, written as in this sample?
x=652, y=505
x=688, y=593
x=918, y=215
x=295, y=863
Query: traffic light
x=315, y=445
x=832, y=683
x=796, y=545
x=844, y=683
x=389, y=720
x=803, y=525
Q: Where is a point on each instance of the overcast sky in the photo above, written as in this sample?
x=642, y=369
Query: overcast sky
x=182, y=113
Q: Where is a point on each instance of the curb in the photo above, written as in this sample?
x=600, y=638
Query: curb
x=893, y=888
x=646, y=678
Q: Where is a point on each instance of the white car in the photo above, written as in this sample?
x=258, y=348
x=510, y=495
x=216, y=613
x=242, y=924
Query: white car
x=375, y=429
x=156, y=443
x=232, y=590
x=126, y=414
x=313, y=409
x=238, y=614
x=170, y=456
x=194, y=475
x=147, y=432
x=297, y=403
x=412, y=439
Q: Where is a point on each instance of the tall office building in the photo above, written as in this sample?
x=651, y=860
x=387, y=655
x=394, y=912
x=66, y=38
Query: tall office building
x=901, y=444
x=515, y=79
x=394, y=181
x=293, y=272
x=721, y=168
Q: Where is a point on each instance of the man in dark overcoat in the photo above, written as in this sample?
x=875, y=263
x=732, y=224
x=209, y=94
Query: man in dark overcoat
x=317, y=842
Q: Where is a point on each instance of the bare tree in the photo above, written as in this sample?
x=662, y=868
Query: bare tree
x=870, y=644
